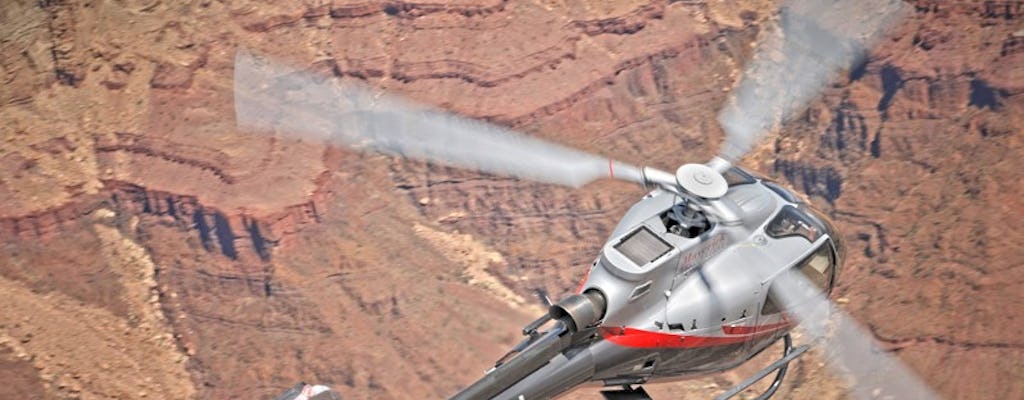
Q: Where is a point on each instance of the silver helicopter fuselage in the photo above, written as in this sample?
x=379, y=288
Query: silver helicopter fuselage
x=668, y=306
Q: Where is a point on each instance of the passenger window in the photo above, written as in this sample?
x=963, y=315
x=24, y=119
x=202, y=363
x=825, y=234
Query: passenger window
x=770, y=306
x=817, y=269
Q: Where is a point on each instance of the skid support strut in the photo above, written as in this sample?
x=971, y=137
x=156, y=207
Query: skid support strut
x=781, y=365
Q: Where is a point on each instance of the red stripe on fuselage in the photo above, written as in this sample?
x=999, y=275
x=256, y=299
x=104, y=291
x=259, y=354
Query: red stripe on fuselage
x=751, y=330
x=639, y=338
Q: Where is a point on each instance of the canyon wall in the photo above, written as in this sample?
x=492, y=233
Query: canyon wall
x=151, y=249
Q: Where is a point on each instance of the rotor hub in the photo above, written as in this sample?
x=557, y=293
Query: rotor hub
x=701, y=181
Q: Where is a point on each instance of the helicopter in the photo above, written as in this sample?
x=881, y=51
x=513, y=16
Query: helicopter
x=709, y=268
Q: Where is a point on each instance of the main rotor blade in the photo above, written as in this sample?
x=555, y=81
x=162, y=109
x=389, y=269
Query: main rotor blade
x=849, y=349
x=309, y=106
x=792, y=64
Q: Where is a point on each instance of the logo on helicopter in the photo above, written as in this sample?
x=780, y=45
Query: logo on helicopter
x=697, y=256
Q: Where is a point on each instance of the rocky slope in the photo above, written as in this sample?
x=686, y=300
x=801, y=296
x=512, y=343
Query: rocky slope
x=151, y=249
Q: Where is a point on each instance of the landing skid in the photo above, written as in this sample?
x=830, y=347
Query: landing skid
x=790, y=353
x=780, y=366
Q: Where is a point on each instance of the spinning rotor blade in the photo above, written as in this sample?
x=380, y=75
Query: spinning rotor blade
x=792, y=64
x=849, y=348
x=308, y=106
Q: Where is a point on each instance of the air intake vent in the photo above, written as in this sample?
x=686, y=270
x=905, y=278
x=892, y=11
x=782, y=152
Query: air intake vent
x=642, y=246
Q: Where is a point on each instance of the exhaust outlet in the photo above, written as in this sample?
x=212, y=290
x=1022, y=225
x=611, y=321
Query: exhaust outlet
x=580, y=311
